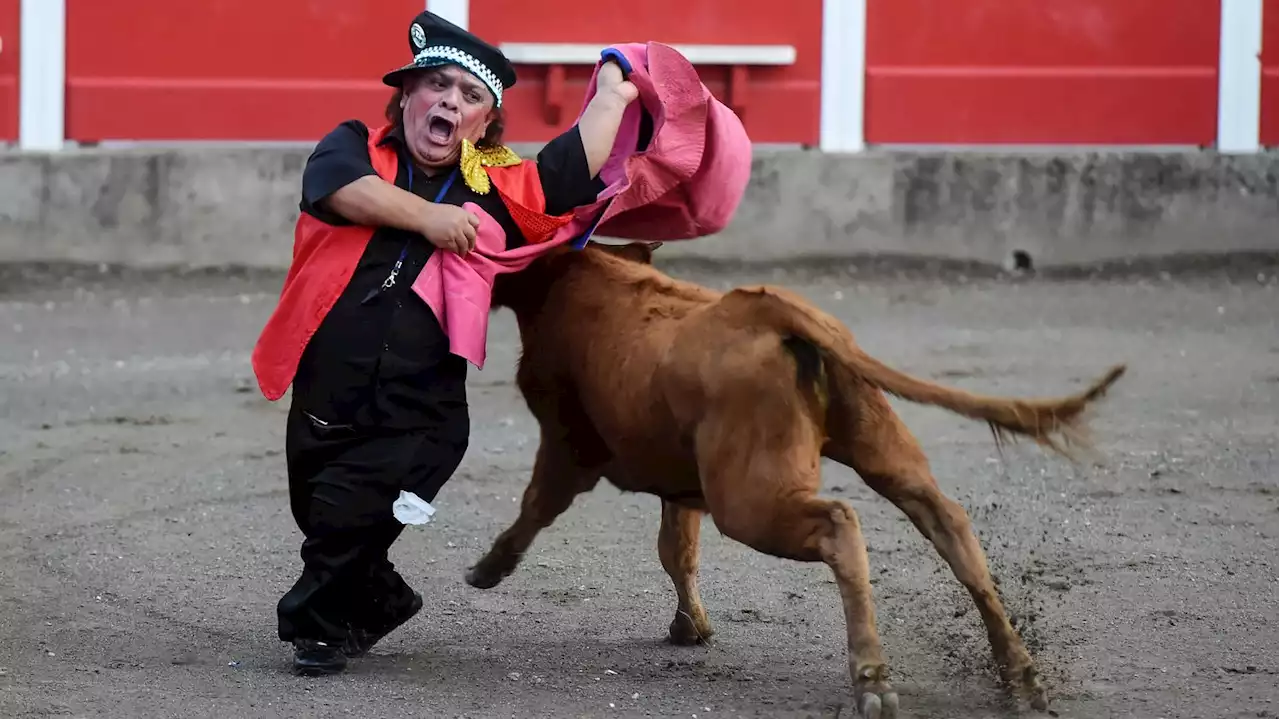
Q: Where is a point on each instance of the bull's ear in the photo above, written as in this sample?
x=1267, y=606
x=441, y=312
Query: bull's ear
x=641, y=252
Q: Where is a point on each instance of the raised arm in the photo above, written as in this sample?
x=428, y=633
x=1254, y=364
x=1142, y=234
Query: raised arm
x=569, y=165
x=600, y=121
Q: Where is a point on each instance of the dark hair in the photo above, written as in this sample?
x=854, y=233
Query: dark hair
x=492, y=137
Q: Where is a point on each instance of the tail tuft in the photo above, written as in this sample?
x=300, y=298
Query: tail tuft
x=1059, y=425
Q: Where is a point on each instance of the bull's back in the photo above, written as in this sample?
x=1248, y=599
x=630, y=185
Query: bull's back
x=732, y=365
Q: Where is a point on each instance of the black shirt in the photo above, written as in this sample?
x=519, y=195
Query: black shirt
x=380, y=358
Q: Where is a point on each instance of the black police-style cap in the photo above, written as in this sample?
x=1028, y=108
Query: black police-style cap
x=434, y=41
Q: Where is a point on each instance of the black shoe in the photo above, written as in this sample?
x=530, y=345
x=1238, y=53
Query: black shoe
x=362, y=640
x=312, y=658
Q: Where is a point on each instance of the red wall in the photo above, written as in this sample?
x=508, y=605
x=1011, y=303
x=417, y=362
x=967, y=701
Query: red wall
x=783, y=102
x=1270, y=79
x=9, y=70
x=1037, y=71
x=303, y=65
x=234, y=69
x=938, y=71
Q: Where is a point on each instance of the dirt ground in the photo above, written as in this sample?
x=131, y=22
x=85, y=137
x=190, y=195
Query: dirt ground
x=145, y=534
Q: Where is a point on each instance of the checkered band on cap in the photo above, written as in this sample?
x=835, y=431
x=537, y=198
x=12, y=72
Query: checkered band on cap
x=453, y=54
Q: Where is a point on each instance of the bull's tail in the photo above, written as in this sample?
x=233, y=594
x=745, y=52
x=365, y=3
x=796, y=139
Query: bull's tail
x=1051, y=422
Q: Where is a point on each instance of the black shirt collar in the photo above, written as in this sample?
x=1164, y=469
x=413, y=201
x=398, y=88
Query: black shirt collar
x=396, y=133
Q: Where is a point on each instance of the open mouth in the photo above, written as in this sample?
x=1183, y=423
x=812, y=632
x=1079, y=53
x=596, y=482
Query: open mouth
x=440, y=130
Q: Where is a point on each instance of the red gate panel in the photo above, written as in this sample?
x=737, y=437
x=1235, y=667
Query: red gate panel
x=1270, y=78
x=1031, y=71
x=229, y=70
x=9, y=23
x=782, y=104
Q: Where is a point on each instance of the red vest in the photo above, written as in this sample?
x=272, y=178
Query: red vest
x=325, y=257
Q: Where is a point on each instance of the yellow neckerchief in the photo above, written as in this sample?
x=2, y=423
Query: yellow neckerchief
x=474, y=160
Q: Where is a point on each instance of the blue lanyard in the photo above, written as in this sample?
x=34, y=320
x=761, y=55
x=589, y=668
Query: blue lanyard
x=404, y=251
x=447, y=183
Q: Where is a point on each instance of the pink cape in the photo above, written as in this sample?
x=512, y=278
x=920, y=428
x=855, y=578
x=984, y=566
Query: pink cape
x=687, y=183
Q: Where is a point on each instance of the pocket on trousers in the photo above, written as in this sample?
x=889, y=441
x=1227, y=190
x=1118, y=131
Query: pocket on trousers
x=323, y=429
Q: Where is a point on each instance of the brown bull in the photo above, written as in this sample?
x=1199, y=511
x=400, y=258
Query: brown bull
x=725, y=403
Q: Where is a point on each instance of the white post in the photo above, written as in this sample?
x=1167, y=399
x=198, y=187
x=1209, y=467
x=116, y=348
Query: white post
x=844, y=62
x=457, y=12
x=42, y=74
x=1240, y=76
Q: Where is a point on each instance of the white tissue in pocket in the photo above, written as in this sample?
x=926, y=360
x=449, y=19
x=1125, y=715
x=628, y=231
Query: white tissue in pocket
x=409, y=508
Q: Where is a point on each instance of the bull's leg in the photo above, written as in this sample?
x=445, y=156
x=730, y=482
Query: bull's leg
x=678, y=550
x=765, y=498
x=556, y=480
x=889, y=459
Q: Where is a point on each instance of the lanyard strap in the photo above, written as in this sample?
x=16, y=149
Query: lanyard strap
x=445, y=188
x=404, y=251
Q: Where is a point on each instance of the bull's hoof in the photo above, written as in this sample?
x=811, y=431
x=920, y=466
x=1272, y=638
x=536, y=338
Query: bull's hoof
x=874, y=697
x=881, y=704
x=480, y=578
x=1026, y=682
x=685, y=632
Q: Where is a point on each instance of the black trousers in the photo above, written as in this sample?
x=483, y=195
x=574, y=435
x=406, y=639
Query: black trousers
x=342, y=482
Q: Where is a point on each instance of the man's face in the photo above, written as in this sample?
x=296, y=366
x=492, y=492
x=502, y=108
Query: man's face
x=442, y=106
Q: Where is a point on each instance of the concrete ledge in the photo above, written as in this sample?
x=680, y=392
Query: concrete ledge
x=216, y=207
x=147, y=208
